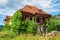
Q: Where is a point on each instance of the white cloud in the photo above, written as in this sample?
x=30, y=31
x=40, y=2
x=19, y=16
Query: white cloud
x=3, y=2
x=52, y=10
x=10, y=13
x=14, y=5
x=41, y=3
x=46, y=5
x=7, y=11
x=9, y=7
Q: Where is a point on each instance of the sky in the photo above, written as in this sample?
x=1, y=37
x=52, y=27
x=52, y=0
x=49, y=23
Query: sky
x=9, y=7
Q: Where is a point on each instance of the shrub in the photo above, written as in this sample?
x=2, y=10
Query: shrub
x=31, y=26
x=20, y=27
x=53, y=24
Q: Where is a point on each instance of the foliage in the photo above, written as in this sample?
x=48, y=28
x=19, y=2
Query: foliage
x=28, y=37
x=1, y=28
x=26, y=26
x=53, y=24
x=58, y=15
x=16, y=22
x=7, y=26
x=31, y=26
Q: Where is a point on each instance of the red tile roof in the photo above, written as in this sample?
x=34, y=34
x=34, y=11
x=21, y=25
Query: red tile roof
x=33, y=10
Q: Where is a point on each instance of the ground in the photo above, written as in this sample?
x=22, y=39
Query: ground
x=3, y=36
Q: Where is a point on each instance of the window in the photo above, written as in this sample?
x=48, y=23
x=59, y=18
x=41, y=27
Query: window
x=30, y=18
x=38, y=19
x=26, y=16
x=43, y=18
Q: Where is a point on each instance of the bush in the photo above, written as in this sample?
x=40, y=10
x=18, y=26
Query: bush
x=16, y=22
x=20, y=27
x=53, y=24
x=31, y=26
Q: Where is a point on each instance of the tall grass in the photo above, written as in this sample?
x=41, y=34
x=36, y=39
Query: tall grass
x=9, y=36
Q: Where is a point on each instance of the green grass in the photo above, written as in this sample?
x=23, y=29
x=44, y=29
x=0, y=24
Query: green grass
x=26, y=37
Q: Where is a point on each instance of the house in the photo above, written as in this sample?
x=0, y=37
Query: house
x=39, y=16
x=7, y=20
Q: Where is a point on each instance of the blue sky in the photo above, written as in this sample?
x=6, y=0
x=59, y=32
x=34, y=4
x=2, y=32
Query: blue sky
x=9, y=7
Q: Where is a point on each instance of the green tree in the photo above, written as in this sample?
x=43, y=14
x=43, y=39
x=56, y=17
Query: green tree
x=26, y=26
x=16, y=22
x=53, y=24
x=7, y=26
x=30, y=26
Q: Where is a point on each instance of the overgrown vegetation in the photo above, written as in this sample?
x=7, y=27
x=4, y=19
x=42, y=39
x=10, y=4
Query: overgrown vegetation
x=18, y=29
x=53, y=24
x=28, y=37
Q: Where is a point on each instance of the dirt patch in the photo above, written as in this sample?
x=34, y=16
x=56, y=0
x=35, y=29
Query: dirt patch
x=53, y=33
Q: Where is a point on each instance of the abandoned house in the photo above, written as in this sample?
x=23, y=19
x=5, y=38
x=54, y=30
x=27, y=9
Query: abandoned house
x=39, y=16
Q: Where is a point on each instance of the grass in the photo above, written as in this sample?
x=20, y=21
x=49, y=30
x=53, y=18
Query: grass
x=37, y=37
x=9, y=36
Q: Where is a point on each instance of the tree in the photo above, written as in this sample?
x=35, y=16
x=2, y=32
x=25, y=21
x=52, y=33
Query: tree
x=26, y=26
x=7, y=26
x=53, y=24
x=16, y=22
x=31, y=26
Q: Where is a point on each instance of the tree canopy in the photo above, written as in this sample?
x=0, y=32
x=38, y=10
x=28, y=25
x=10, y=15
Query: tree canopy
x=18, y=26
x=53, y=24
